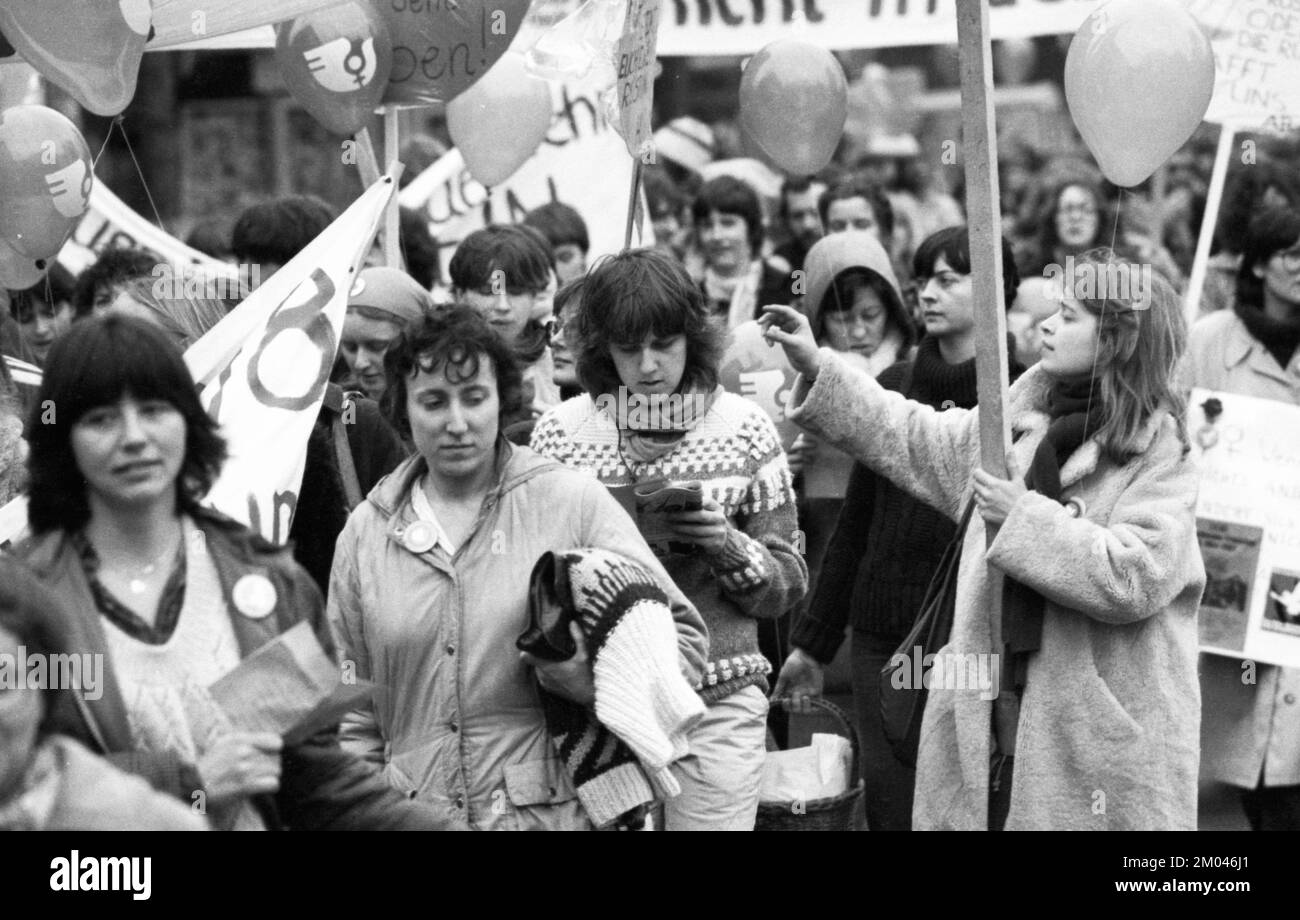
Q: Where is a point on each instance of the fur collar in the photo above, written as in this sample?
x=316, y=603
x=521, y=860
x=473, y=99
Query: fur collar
x=1027, y=403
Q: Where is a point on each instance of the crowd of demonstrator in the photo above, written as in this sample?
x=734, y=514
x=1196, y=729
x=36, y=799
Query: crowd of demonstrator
x=473, y=426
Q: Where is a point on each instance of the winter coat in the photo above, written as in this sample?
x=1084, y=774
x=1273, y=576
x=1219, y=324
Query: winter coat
x=1249, y=730
x=1108, y=729
x=457, y=719
x=321, y=787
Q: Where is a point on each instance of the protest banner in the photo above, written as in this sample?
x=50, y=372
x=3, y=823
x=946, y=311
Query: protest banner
x=263, y=369
x=710, y=28
x=1248, y=523
x=108, y=222
x=582, y=163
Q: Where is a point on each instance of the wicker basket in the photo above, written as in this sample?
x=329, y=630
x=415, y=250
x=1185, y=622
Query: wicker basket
x=830, y=814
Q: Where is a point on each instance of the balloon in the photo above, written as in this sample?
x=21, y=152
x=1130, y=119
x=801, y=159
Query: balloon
x=17, y=272
x=793, y=103
x=336, y=63
x=91, y=48
x=441, y=49
x=499, y=121
x=45, y=179
x=1136, y=98
x=761, y=373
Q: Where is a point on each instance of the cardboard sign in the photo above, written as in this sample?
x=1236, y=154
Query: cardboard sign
x=1248, y=523
x=1257, y=62
x=636, y=66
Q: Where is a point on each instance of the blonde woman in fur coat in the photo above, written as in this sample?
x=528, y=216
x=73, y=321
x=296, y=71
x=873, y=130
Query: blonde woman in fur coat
x=1092, y=721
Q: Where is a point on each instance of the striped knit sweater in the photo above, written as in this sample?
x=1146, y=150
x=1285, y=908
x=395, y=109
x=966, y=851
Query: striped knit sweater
x=758, y=573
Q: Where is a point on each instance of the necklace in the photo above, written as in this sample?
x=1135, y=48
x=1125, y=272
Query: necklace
x=136, y=575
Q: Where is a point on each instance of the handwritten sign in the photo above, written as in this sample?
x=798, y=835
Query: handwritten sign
x=636, y=63
x=442, y=47
x=1257, y=61
x=1248, y=522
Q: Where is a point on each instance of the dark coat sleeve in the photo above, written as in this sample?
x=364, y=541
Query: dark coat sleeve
x=820, y=631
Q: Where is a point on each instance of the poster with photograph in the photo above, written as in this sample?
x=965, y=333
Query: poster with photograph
x=1248, y=525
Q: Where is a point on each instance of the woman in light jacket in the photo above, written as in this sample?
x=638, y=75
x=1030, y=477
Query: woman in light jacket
x=1078, y=708
x=1250, y=737
x=429, y=590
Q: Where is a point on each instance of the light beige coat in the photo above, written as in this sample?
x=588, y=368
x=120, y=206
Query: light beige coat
x=1108, y=726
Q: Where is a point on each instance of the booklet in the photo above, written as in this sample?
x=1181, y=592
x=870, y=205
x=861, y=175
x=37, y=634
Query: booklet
x=290, y=687
x=649, y=504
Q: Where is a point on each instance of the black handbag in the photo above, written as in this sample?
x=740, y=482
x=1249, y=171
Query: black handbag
x=902, y=698
x=550, y=611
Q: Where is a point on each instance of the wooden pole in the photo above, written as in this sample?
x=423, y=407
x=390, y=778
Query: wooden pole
x=984, y=220
x=1200, y=263
x=632, y=202
x=367, y=161
x=392, y=217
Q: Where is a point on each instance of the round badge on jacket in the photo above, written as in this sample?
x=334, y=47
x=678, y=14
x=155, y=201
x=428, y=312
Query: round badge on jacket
x=254, y=596
x=419, y=537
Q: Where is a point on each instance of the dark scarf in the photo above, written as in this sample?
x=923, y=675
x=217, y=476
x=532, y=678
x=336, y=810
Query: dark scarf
x=1279, y=338
x=1075, y=410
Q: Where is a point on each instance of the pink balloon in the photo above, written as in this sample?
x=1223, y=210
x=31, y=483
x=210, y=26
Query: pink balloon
x=17, y=272
x=45, y=180
x=793, y=103
x=442, y=48
x=336, y=62
x=499, y=121
x=91, y=48
x=1138, y=78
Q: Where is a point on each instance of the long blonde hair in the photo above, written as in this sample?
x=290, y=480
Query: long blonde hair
x=1141, y=338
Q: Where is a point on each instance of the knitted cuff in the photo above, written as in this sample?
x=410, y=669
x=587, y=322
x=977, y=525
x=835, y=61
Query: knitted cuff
x=816, y=638
x=614, y=792
x=740, y=564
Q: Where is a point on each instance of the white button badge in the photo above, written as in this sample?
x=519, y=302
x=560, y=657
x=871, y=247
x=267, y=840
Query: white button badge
x=254, y=596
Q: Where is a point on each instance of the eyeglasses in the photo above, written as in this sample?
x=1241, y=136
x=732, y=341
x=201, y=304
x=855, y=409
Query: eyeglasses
x=1083, y=210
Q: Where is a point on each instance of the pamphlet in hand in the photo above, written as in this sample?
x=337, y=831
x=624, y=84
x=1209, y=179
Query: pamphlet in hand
x=289, y=687
x=651, y=502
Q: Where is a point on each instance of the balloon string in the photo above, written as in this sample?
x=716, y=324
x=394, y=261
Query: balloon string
x=139, y=172
x=1096, y=352
x=108, y=136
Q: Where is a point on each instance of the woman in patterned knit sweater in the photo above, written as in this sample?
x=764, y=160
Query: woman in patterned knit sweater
x=642, y=332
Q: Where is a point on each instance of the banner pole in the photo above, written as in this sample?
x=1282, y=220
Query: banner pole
x=1213, y=197
x=392, y=215
x=632, y=201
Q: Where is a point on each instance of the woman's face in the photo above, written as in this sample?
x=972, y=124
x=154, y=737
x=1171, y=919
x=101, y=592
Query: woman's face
x=454, y=422
x=725, y=238
x=20, y=714
x=861, y=328
x=947, y=301
x=653, y=366
x=1069, y=341
x=1281, y=276
x=130, y=452
x=41, y=323
x=566, y=371
x=1077, y=218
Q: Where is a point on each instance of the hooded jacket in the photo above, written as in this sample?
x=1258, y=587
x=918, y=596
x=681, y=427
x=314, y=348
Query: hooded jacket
x=1108, y=730
x=839, y=252
x=456, y=719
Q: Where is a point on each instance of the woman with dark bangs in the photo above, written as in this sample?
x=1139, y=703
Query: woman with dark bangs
x=171, y=594
x=644, y=339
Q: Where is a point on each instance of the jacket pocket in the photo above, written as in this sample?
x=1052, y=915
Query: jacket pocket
x=542, y=796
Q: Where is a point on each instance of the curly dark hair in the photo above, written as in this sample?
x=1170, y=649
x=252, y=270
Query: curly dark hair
x=95, y=363
x=457, y=336
x=630, y=295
